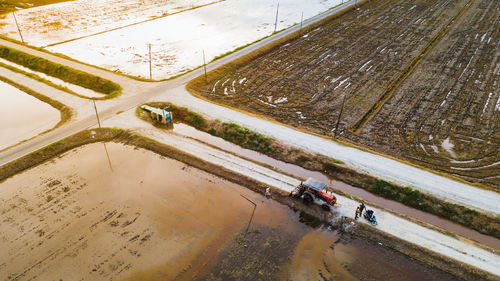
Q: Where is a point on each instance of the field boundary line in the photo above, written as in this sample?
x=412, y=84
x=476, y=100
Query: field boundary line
x=409, y=69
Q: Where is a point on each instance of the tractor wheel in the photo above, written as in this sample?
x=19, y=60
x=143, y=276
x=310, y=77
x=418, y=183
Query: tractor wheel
x=308, y=199
x=325, y=207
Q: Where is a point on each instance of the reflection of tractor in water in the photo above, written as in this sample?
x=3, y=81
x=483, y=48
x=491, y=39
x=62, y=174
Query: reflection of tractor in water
x=312, y=191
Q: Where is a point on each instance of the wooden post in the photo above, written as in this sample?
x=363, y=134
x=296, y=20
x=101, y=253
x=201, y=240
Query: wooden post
x=150, y=70
x=340, y=115
x=276, y=20
x=18, y=29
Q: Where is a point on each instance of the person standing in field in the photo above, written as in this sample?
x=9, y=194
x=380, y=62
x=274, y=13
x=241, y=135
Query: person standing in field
x=357, y=213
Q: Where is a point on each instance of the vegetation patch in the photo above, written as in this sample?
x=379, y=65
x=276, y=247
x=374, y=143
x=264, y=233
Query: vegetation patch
x=60, y=71
x=229, y=131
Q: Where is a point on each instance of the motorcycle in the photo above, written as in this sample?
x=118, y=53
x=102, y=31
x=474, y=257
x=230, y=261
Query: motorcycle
x=368, y=215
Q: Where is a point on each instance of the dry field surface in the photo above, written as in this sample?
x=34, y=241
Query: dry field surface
x=397, y=60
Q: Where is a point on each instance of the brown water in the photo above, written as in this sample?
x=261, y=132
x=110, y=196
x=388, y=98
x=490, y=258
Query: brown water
x=358, y=192
x=141, y=216
x=23, y=116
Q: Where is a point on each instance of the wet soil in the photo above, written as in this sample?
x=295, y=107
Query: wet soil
x=23, y=116
x=386, y=264
x=446, y=114
x=321, y=254
x=358, y=56
x=138, y=215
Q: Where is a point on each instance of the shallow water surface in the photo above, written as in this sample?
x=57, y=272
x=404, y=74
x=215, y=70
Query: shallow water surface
x=23, y=116
x=141, y=216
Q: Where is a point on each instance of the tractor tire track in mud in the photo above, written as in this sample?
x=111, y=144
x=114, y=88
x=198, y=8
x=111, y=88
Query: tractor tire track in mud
x=388, y=93
x=446, y=114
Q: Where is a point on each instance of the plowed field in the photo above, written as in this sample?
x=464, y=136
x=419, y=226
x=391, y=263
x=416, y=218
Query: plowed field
x=446, y=114
x=396, y=62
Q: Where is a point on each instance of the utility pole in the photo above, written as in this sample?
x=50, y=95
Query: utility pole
x=97, y=115
x=301, y=20
x=205, y=66
x=340, y=115
x=276, y=20
x=150, y=71
x=18, y=29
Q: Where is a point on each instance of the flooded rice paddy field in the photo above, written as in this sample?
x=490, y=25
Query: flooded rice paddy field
x=137, y=215
x=23, y=116
x=74, y=19
x=110, y=40
x=448, y=122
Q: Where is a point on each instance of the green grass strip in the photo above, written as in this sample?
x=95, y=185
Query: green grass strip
x=60, y=71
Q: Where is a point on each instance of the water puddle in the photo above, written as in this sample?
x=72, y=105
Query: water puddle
x=22, y=116
x=136, y=215
x=298, y=171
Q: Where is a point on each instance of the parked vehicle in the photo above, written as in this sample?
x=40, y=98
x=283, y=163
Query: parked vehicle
x=368, y=215
x=160, y=115
x=312, y=191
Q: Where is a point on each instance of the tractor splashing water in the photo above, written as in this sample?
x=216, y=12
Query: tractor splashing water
x=313, y=191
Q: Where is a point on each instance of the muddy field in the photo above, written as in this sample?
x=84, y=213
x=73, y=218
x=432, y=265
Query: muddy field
x=446, y=114
x=139, y=216
x=362, y=56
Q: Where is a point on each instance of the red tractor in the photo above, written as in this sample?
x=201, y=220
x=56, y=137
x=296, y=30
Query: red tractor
x=313, y=191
